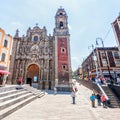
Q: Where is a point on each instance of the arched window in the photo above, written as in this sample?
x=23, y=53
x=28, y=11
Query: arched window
x=64, y=67
x=63, y=50
x=5, y=43
x=3, y=57
x=61, y=13
x=61, y=24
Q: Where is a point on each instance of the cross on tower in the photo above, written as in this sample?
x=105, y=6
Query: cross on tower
x=60, y=7
x=36, y=24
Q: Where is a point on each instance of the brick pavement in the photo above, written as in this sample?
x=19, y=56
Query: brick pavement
x=59, y=107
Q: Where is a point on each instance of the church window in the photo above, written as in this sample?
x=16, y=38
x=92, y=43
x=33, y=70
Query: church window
x=5, y=43
x=64, y=67
x=61, y=13
x=63, y=50
x=61, y=24
x=35, y=38
x=3, y=57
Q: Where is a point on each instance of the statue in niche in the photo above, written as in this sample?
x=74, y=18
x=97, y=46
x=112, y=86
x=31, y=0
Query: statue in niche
x=35, y=48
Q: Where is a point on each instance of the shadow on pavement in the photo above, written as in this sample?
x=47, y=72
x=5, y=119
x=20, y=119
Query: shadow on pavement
x=59, y=92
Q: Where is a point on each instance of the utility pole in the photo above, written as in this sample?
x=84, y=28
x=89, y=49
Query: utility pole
x=104, y=54
x=94, y=58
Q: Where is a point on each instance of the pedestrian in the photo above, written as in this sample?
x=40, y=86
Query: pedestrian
x=92, y=98
x=75, y=89
x=73, y=95
x=118, y=80
x=98, y=97
x=103, y=99
x=98, y=80
x=55, y=90
x=19, y=83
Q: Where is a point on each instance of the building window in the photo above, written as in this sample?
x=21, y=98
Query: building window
x=104, y=62
x=61, y=24
x=61, y=14
x=3, y=57
x=103, y=55
x=64, y=67
x=117, y=62
x=5, y=43
x=63, y=50
x=35, y=38
x=116, y=55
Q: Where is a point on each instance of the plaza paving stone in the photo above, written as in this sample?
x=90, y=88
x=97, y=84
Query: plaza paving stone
x=60, y=107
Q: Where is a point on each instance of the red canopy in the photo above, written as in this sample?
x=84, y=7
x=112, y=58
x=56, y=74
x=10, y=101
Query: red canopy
x=4, y=72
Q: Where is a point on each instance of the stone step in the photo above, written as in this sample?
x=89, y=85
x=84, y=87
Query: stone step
x=11, y=96
x=113, y=100
x=8, y=88
x=110, y=94
x=116, y=106
x=13, y=108
x=2, y=94
x=10, y=102
x=35, y=91
x=12, y=99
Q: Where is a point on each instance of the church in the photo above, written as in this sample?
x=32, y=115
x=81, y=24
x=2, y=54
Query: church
x=42, y=60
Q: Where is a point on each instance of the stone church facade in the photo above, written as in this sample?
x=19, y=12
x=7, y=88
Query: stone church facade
x=42, y=60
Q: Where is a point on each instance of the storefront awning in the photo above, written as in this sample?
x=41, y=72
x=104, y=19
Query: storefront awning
x=5, y=72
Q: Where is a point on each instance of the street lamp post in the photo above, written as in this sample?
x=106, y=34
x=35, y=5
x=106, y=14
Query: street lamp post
x=88, y=71
x=94, y=58
x=104, y=54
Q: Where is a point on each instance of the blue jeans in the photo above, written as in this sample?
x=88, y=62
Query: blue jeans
x=73, y=100
x=99, y=102
x=118, y=83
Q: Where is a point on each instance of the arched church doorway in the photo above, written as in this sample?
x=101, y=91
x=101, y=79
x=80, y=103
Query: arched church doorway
x=33, y=75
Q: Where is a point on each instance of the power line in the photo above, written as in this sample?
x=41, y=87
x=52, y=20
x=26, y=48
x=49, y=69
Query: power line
x=107, y=33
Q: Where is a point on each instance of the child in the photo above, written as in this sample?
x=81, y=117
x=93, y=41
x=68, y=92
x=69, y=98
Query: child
x=103, y=99
x=92, y=98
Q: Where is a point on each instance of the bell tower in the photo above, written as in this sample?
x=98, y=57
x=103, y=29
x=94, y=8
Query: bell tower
x=62, y=50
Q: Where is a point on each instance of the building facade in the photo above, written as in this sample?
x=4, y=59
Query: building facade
x=108, y=63
x=116, y=29
x=42, y=60
x=6, y=41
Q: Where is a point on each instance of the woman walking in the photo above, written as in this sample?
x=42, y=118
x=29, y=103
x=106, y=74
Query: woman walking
x=73, y=95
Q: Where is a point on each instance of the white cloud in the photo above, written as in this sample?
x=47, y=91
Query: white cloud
x=17, y=24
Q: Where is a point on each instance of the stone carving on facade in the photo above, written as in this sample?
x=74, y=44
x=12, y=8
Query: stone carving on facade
x=35, y=54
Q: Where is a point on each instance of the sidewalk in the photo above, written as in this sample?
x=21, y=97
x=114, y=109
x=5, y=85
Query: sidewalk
x=59, y=107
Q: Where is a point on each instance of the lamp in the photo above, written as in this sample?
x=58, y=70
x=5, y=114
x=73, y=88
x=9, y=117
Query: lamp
x=99, y=38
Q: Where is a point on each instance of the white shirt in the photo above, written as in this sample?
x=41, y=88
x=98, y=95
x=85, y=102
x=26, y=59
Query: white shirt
x=73, y=94
x=118, y=79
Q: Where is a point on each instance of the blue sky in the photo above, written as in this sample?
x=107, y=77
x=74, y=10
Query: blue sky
x=88, y=19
